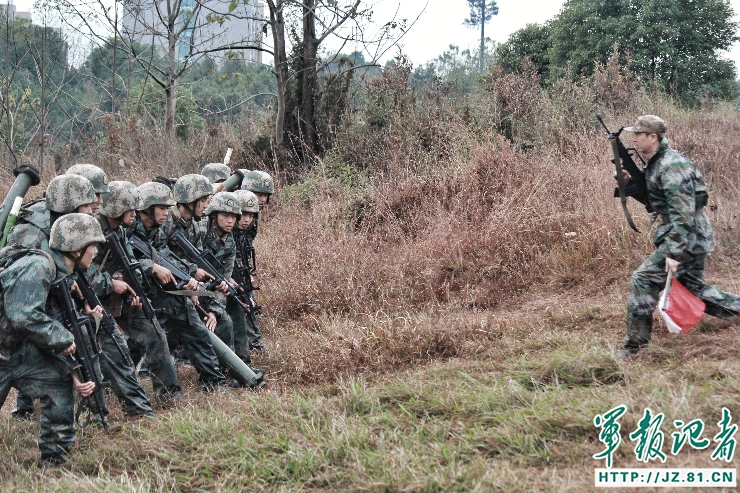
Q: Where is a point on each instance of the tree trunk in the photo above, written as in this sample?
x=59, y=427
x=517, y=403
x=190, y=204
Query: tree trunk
x=482, y=32
x=170, y=89
x=277, y=26
x=309, y=76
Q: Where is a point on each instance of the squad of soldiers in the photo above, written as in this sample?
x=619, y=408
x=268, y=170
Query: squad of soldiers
x=144, y=299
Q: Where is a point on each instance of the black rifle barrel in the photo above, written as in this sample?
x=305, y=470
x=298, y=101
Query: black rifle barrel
x=84, y=356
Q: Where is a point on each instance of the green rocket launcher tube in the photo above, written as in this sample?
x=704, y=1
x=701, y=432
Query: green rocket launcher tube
x=237, y=368
x=235, y=180
x=26, y=176
x=12, y=219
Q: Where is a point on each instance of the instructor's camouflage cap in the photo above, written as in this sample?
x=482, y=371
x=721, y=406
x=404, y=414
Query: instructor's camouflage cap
x=190, y=188
x=216, y=172
x=649, y=124
x=154, y=194
x=258, y=182
x=248, y=201
x=74, y=232
x=66, y=193
x=96, y=176
x=224, y=202
x=122, y=197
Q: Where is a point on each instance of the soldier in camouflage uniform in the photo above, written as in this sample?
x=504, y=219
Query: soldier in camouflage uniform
x=96, y=176
x=678, y=194
x=216, y=172
x=66, y=194
x=180, y=314
x=33, y=343
x=244, y=330
x=261, y=184
x=223, y=212
x=116, y=213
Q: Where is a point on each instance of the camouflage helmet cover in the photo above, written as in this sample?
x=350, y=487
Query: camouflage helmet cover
x=216, y=172
x=224, y=202
x=96, y=176
x=152, y=193
x=190, y=188
x=258, y=182
x=75, y=231
x=248, y=201
x=122, y=197
x=66, y=193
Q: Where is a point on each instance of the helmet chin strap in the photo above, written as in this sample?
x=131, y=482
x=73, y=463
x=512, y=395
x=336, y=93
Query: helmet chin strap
x=77, y=260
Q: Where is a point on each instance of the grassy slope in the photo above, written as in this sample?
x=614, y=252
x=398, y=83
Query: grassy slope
x=516, y=417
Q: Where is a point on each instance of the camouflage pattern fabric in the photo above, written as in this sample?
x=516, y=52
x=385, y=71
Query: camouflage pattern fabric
x=224, y=249
x=33, y=227
x=246, y=334
x=190, y=229
x=140, y=331
x=93, y=173
x=181, y=320
x=677, y=192
x=190, y=188
x=66, y=193
x=35, y=368
x=216, y=172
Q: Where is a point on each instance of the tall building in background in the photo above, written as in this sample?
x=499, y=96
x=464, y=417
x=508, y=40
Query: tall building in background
x=13, y=14
x=211, y=27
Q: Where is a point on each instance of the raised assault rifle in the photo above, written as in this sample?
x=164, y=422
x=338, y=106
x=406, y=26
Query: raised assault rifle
x=127, y=268
x=95, y=403
x=636, y=187
x=107, y=323
x=209, y=263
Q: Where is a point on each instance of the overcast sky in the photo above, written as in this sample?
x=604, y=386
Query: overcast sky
x=440, y=23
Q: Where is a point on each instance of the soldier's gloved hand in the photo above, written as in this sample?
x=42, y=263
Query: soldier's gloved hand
x=71, y=349
x=201, y=275
x=84, y=389
x=192, y=285
x=211, y=321
x=223, y=288
x=164, y=276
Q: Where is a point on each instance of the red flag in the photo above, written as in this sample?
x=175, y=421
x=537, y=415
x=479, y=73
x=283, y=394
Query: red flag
x=680, y=309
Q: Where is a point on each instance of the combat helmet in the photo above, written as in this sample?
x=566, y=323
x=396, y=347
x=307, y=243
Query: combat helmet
x=96, y=176
x=224, y=202
x=75, y=231
x=190, y=188
x=151, y=194
x=258, y=182
x=216, y=172
x=66, y=193
x=121, y=198
x=248, y=201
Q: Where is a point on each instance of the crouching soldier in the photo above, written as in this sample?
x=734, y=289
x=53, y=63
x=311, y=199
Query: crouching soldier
x=34, y=345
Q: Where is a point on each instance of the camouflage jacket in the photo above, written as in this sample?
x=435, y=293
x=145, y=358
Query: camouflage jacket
x=677, y=192
x=33, y=227
x=100, y=279
x=224, y=249
x=30, y=313
x=251, y=232
x=191, y=229
x=156, y=238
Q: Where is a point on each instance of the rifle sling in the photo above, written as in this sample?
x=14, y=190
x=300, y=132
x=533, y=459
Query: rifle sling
x=620, y=182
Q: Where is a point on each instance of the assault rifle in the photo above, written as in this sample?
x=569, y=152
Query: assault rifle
x=78, y=325
x=210, y=264
x=636, y=187
x=128, y=269
x=245, y=268
x=107, y=323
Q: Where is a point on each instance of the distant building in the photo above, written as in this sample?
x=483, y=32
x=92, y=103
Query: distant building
x=214, y=26
x=13, y=14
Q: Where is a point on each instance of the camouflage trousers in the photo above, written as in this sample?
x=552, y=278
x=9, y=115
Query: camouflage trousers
x=184, y=326
x=650, y=278
x=34, y=374
x=243, y=330
x=145, y=343
x=114, y=368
